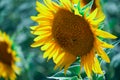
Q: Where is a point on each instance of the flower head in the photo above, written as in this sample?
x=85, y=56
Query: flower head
x=96, y=4
x=8, y=68
x=64, y=34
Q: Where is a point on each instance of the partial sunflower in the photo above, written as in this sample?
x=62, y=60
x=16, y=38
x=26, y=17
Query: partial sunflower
x=8, y=68
x=96, y=4
x=64, y=35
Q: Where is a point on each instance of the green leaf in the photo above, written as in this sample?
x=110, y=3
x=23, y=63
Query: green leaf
x=1, y=78
x=72, y=73
x=75, y=78
x=82, y=10
x=98, y=77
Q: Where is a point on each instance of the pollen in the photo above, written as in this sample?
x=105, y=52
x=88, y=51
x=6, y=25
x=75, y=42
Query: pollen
x=5, y=55
x=72, y=33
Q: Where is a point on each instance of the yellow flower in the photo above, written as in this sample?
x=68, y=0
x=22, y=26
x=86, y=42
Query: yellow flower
x=8, y=68
x=84, y=2
x=96, y=4
x=64, y=35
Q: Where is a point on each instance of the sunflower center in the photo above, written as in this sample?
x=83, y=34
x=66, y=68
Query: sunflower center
x=72, y=33
x=5, y=56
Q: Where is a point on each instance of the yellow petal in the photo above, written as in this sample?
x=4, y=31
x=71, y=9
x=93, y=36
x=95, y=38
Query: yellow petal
x=41, y=27
x=46, y=46
x=41, y=32
x=76, y=12
x=45, y=28
x=52, y=53
x=41, y=41
x=104, y=34
x=38, y=43
x=42, y=23
x=92, y=15
x=56, y=54
x=41, y=8
x=103, y=54
x=100, y=13
x=33, y=27
x=87, y=61
x=41, y=18
x=59, y=57
x=58, y=64
x=48, y=51
x=68, y=61
x=50, y=5
x=87, y=70
x=43, y=37
x=97, y=22
x=96, y=66
x=66, y=4
x=74, y=1
x=104, y=44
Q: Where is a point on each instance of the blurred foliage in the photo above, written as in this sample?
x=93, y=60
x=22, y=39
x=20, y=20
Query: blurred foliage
x=15, y=21
x=111, y=9
x=73, y=72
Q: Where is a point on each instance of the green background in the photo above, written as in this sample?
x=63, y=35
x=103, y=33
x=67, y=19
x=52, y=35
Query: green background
x=15, y=21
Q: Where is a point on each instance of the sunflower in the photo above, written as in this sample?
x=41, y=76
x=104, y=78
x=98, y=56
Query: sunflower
x=96, y=4
x=64, y=34
x=8, y=68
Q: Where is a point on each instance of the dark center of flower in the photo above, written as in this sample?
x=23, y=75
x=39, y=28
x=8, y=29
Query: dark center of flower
x=5, y=56
x=72, y=33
